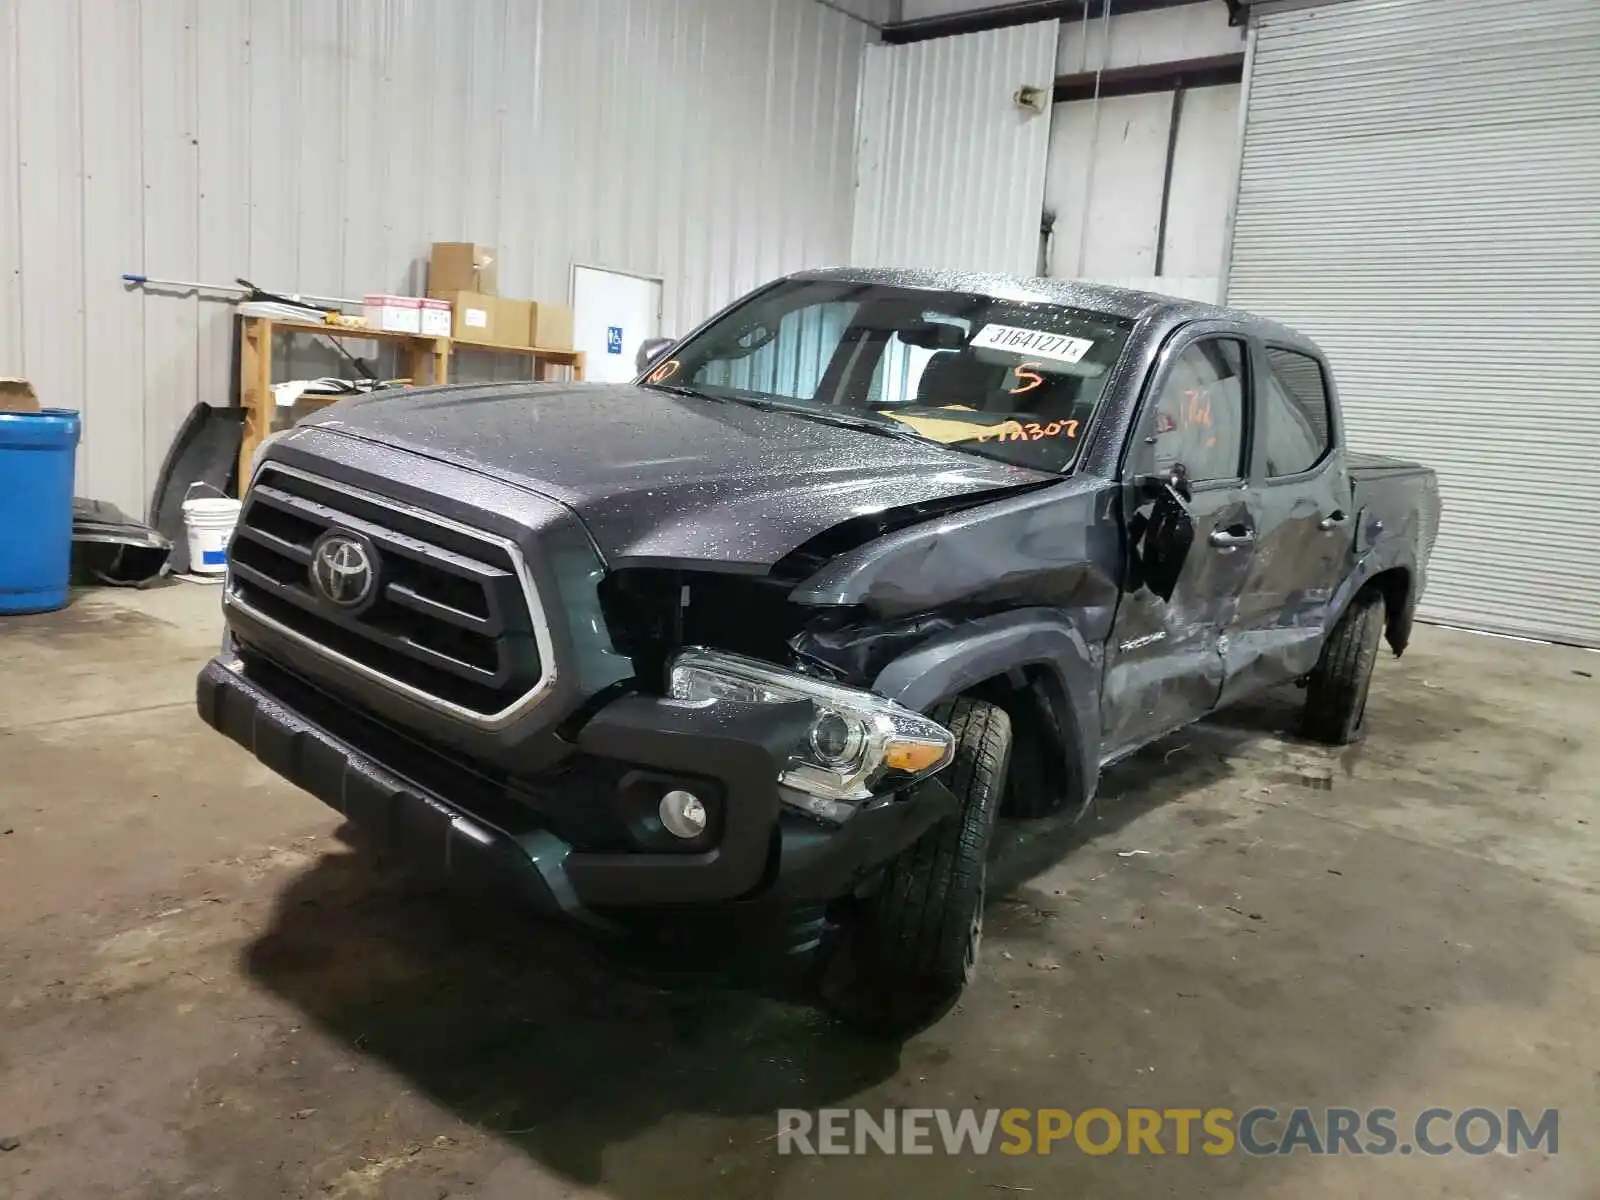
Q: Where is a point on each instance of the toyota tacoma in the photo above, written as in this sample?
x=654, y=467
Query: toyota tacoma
x=866, y=561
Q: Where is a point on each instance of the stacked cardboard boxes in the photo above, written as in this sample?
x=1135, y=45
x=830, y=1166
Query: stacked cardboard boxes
x=466, y=275
x=17, y=395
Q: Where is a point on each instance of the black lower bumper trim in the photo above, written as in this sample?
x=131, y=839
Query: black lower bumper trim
x=763, y=851
x=428, y=834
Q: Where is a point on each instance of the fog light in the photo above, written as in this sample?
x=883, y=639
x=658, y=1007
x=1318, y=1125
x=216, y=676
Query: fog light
x=683, y=814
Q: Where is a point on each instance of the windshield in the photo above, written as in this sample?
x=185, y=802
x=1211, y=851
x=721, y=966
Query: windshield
x=1007, y=379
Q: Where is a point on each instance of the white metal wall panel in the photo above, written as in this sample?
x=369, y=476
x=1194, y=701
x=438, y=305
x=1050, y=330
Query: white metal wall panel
x=321, y=147
x=1203, y=165
x=1420, y=191
x=950, y=172
x=1108, y=162
x=1106, y=173
x=10, y=194
x=113, y=232
x=48, y=177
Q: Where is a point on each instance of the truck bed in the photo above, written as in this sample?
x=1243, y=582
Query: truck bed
x=1365, y=466
x=1395, y=498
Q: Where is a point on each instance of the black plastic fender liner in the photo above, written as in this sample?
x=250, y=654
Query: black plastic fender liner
x=205, y=450
x=955, y=662
x=110, y=547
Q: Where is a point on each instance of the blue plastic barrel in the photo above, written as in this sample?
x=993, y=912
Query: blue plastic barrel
x=37, y=454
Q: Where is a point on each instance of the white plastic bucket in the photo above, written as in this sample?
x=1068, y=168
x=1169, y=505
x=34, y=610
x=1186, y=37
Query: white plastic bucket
x=209, y=521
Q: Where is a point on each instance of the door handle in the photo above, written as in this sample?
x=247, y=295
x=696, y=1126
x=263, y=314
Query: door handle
x=1333, y=520
x=1228, y=539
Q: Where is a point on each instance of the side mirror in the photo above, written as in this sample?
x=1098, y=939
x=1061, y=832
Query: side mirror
x=1175, y=481
x=651, y=350
x=1161, y=541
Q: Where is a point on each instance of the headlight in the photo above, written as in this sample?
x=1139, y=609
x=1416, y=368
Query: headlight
x=856, y=739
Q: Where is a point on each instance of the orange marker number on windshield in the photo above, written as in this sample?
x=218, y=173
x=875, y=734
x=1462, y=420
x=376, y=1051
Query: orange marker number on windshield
x=664, y=372
x=1030, y=431
x=1028, y=379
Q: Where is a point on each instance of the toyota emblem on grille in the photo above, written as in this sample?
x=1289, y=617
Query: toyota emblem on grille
x=344, y=570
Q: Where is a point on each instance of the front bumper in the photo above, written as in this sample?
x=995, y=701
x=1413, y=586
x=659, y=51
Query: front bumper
x=453, y=822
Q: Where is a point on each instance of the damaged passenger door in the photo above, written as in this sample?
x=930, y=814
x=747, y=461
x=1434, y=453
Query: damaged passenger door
x=1191, y=539
x=1306, y=524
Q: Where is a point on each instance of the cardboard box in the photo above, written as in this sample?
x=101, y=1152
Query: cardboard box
x=472, y=316
x=17, y=395
x=436, y=318
x=462, y=267
x=513, y=321
x=394, y=314
x=550, y=327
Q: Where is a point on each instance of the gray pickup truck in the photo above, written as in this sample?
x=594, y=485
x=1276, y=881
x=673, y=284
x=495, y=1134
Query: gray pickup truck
x=866, y=561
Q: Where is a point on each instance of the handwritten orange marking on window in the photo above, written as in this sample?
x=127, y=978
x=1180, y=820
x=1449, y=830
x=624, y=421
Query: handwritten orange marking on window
x=1197, y=410
x=1029, y=379
x=664, y=372
x=1029, y=431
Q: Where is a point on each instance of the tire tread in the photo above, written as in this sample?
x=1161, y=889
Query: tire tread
x=1336, y=690
x=909, y=945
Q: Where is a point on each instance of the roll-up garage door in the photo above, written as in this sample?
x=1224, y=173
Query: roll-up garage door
x=1420, y=192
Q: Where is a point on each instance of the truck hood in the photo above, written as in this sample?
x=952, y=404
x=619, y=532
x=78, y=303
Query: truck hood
x=664, y=479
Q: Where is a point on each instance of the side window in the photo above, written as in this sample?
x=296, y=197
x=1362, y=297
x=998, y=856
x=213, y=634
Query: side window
x=1296, y=431
x=1199, y=416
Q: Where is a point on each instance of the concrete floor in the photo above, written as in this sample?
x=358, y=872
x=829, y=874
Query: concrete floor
x=203, y=992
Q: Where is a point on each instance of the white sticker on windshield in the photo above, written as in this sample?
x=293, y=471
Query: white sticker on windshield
x=1035, y=343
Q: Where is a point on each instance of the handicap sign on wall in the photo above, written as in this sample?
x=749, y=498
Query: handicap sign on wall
x=614, y=339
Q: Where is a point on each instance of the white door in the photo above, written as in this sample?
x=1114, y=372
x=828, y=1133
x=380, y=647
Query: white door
x=612, y=313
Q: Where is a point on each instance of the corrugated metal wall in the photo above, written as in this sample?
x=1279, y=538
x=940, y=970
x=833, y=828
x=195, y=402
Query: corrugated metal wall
x=950, y=171
x=1420, y=191
x=321, y=145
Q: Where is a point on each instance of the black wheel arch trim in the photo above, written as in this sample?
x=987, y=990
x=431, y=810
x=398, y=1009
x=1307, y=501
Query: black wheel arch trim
x=955, y=662
x=1396, y=552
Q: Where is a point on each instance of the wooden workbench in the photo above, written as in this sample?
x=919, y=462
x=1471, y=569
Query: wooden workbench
x=417, y=352
x=542, y=359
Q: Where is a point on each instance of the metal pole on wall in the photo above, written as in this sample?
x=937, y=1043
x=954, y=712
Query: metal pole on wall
x=1094, y=128
x=1226, y=267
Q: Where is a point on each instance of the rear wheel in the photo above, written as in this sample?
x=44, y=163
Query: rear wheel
x=911, y=946
x=1336, y=693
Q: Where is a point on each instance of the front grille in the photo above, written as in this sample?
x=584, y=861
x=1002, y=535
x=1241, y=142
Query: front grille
x=450, y=619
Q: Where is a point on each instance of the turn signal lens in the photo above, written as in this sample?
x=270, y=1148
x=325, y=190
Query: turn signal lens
x=915, y=757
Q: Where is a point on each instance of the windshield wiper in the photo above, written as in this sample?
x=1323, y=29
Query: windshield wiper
x=827, y=416
x=678, y=389
x=842, y=419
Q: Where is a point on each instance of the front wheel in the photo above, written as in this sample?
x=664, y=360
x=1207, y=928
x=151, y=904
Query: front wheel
x=1336, y=693
x=911, y=946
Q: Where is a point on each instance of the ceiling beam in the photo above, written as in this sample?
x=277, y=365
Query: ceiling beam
x=1150, y=77
x=1019, y=12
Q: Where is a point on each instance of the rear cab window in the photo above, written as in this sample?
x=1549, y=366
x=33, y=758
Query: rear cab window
x=1296, y=414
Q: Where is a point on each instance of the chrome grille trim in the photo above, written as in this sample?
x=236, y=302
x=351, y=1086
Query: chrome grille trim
x=536, y=612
